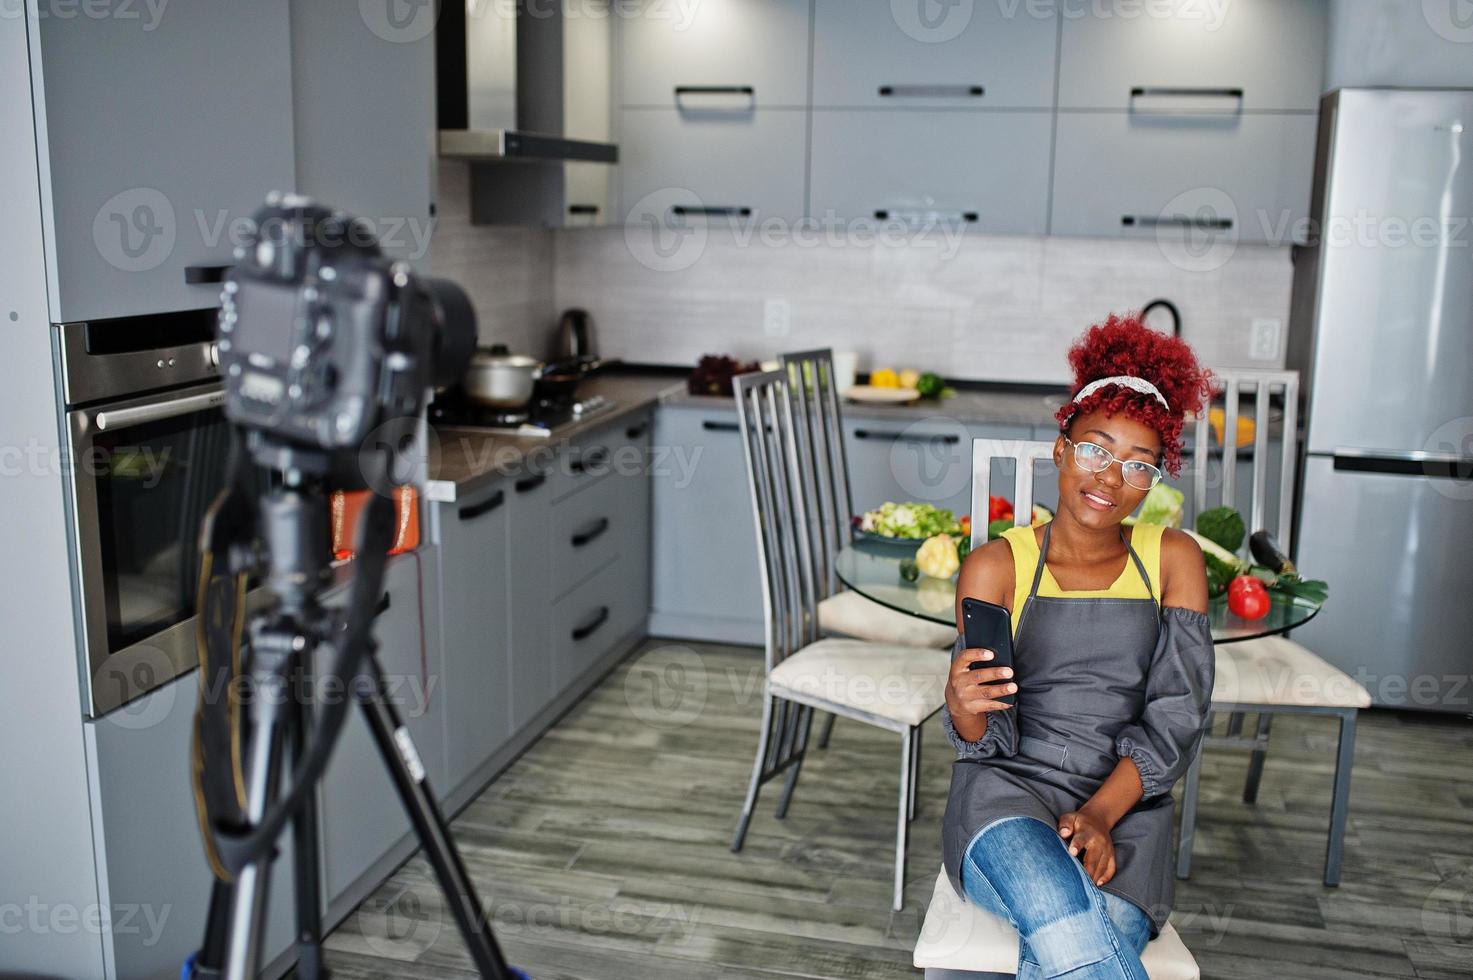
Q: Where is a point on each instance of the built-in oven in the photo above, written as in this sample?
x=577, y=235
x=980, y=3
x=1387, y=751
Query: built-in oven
x=147, y=445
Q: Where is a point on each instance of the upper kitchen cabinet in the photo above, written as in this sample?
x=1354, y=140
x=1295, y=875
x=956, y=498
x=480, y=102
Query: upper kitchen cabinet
x=1243, y=178
x=715, y=55
x=681, y=170
x=929, y=169
x=968, y=56
x=351, y=73
x=147, y=183
x=1248, y=55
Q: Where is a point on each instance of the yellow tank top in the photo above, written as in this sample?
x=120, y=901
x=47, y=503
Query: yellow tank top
x=1145, y=539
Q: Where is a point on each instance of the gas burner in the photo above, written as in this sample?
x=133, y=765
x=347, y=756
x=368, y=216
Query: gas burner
x=542, y=418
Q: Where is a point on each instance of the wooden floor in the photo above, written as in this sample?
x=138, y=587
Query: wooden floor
x=603, y=852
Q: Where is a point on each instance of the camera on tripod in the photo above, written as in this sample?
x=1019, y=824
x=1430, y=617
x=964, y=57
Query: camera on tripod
x=322, y=340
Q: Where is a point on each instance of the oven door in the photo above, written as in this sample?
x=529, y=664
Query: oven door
x=141, y=474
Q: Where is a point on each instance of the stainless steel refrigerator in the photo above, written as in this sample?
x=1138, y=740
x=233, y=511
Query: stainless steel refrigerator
x=1382, y=333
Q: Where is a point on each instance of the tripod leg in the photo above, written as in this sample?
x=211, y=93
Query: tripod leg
x=305, y=850
x=248, y=906
x=408, y=773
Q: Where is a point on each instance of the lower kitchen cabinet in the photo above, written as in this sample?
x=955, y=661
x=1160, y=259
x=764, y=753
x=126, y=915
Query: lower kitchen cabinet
x=154, y=883
x=529, y=585
x=362, y=816
x=474, y=552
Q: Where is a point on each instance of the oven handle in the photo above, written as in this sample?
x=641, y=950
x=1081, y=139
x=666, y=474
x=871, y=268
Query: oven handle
x=118, y=418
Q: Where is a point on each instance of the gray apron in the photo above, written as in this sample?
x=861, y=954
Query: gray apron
x=1080, y=665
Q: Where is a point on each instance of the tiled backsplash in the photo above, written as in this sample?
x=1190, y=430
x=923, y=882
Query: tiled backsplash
x=973, y=306
x=980, y=307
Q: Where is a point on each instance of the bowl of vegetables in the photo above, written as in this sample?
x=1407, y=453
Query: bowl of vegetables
x=907, y=524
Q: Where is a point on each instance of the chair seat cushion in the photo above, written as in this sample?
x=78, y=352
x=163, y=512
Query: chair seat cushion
x=958, y=935
x=903, y=684
x=1275, y=670
x=850, y=614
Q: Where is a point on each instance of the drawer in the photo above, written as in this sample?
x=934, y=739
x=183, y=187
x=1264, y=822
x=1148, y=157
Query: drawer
x=589, y=620
x=586, y=530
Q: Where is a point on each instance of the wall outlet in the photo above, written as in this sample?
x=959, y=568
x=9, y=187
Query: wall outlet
x=1263, y=338
x=777, y=318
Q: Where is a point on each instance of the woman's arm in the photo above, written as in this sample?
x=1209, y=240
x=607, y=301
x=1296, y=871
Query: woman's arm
x=987, y=573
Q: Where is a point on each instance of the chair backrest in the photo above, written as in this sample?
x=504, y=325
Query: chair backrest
x=823, y=467
x=785, y=548
x=1219, y=477
x=1024, y=453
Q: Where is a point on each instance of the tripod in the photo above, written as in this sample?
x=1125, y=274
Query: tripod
x=283, y=640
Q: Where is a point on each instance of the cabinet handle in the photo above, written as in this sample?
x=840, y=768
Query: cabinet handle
x=711, y=426
x=968, y=217
x=714, y=90
x=681, y=91
x=584, y=537
x=932, y=91
x=195, y=275
x=591, y=458
x=725, y=210
x=1174, y=221
x=472, y=511
x=635, y=431
x=1185, y=91
x=583, y=209
x=948, y=438
x=530, y=482
x=383, y=605
x=589, y=628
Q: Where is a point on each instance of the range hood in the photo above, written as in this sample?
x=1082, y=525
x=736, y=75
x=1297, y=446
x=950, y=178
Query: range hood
x=504, y=89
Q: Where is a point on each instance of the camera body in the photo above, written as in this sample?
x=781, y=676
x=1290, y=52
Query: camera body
x=324, y=342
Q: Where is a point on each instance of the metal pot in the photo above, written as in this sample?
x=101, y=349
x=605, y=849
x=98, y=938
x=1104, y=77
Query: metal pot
x=501, y=379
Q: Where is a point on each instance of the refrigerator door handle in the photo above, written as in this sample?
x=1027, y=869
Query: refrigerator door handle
x=1449, y=466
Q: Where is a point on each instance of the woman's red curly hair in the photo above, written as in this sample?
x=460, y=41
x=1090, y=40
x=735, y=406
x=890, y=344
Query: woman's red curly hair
x=1125, y=345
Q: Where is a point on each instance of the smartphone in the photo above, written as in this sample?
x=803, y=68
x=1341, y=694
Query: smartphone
x=989, y=625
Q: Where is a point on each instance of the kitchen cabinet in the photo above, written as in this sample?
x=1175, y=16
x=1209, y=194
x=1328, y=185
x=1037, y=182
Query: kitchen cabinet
x=931, y=169
x=154, y=881
x=347, y=80
x=713, y=55
x=146, y=182
x=529, y=595
x=681, y=170
x=362, y=816
x=876, y=55
x=475, y=548
x=1230, y=178
x=928, y=459
x=706, y=578
x=1247, y=56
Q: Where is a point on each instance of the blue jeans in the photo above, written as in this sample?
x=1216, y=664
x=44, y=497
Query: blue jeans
x=1021, y=869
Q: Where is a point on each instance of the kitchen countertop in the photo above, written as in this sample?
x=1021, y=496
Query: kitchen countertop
x=967, y=405
x=464, y=459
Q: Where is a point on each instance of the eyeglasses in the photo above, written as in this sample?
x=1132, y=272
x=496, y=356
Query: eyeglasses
x=1096, y=458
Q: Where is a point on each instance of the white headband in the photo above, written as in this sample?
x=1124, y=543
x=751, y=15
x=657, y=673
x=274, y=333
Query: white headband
x=1125, y=381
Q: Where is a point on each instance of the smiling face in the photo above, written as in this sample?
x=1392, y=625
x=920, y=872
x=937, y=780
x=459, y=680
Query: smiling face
x=1103, y=499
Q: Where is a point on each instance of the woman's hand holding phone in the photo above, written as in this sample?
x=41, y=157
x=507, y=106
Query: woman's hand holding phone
x=973, y=692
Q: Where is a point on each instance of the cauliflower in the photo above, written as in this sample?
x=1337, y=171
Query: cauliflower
x=937, y=556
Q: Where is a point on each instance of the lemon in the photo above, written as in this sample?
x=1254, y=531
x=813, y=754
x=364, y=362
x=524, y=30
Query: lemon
x=909, y=377
x=884, y=378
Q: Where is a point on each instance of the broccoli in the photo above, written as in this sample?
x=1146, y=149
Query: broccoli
x=1219, y=574
x=1223, y=526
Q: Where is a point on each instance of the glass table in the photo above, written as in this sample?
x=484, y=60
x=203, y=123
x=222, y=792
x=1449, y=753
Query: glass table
x=873, y=570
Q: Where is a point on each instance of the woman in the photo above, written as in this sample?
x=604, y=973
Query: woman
x=1059, y=816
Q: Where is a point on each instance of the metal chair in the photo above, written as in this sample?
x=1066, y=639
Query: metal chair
x=890, y=686
x=1269, y=675
x=824, y=469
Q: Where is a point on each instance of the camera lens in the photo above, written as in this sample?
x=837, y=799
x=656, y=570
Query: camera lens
x=456, y=336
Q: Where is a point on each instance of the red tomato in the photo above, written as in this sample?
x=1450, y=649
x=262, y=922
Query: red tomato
x=999, y=509
x=1247, y=597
